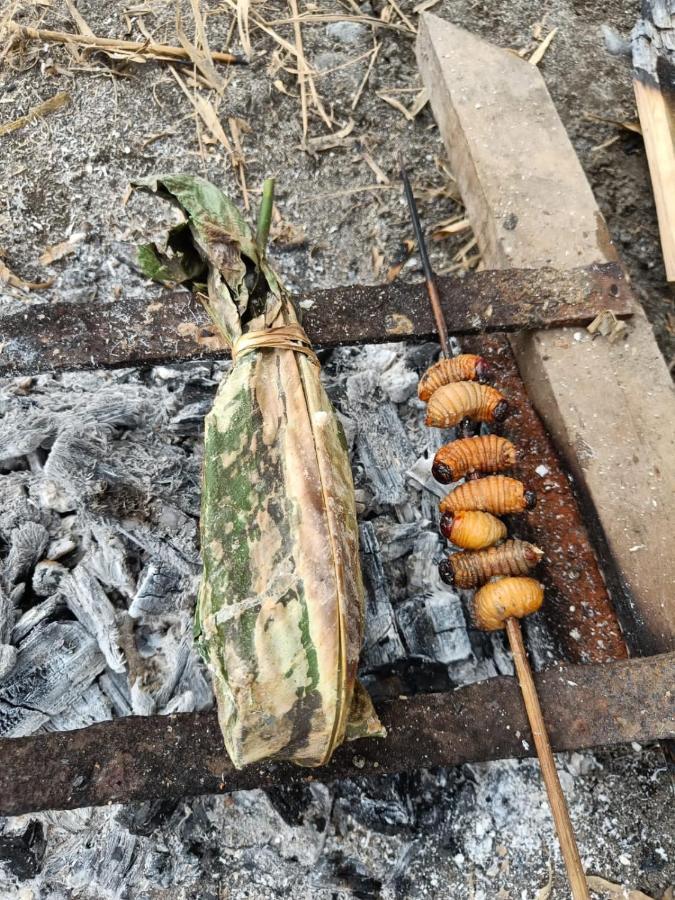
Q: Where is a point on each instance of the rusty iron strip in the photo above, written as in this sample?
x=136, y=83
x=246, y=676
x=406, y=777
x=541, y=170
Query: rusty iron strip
x=169, y=757
x=578, y=610
x=137, y=331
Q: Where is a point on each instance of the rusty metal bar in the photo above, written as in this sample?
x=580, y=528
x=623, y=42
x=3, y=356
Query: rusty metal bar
x=578, y=610
x=137, y=331
x=174, y=756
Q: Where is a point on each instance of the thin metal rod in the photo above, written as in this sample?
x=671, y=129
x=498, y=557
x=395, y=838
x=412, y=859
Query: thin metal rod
x=556, y=798
x=432, y=289
x=558, y=804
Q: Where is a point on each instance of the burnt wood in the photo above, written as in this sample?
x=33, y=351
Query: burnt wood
x=175, y=756
x=138, y=331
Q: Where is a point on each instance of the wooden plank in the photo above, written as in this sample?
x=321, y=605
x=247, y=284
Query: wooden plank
x=182, y=755
x=653, y=41
x=136, y=331
x=656, y=110
x=610, y=408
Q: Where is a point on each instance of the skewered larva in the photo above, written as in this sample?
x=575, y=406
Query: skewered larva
x=503, y=598
x=472, y=530
x=467, y=570
x=496, y=494
x=465, y=367
x=487, y=453
x=451, y=403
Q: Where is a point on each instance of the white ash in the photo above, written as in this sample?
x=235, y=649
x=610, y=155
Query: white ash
x=97, y=587
x=100, y=474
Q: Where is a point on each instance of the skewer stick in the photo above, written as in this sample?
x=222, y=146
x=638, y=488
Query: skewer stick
x=432, y=288
x=558, y=804
x=556, y=798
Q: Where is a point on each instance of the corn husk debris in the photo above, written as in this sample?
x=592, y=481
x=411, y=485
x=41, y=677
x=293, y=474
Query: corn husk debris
x=280, y=609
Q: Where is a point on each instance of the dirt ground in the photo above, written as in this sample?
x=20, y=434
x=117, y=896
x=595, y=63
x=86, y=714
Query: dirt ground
x=342, y=219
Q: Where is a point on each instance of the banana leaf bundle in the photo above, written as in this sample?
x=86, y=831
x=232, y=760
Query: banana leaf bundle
x=280, y=611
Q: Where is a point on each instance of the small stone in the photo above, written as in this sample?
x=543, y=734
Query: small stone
x=346, y=32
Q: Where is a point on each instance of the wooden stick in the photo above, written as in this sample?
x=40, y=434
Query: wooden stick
x=112, y=45
x=556, y=798
x=432, y=288
x=561, y=817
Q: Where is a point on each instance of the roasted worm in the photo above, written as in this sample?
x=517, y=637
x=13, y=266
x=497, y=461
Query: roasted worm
x=467, y=570
x=487, y=454
x=451, y=403
x=497, y=601
x=465, y=367
x=495, y=494
x=472, y=530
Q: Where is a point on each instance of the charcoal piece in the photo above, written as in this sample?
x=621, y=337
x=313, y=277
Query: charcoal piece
x=382, y=643
x=420, y=473
x=22, y=853
x=181, y=703
x=144, y=818
x=500, y=654
x=159, y=588
x=27, y=544
x=173, y=552
x=382, y=445
x=190, y=419
x=422, y=564
x=89, y=603
x=291, y=801
x=116, y=689
x=195, y=681
x=179, y=660
x=36, y=614
x=433, y=627
x=47, y=577
x=52, y=495
x=16, y=506
x=91, y=707
x=398, y=381
x=338, y=872
x=55, y=665
x=7, y=615
x=142, y=703
x=59, y=548
x=379, y=805
x=79, y=465
x=8, y=656
x=396, y=539
x=22, y=432
x=108, y=562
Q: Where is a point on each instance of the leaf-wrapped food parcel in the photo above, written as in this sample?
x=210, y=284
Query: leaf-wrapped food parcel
x=280, y=609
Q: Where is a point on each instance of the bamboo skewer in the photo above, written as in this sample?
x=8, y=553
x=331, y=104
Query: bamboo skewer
x=557, y=802
x=556, y=798
x=113, y=45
